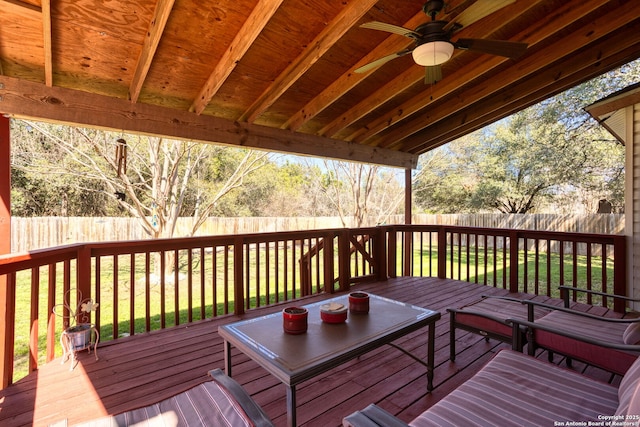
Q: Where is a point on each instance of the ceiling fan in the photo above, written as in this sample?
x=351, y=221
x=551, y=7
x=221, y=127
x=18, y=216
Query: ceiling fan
x=433, y=45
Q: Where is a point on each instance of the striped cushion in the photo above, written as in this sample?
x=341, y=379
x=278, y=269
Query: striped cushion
x=208, y=404
x=612, y=360
x=628, y=391
x=515, y=389
x=631, y=335
x=497, y=308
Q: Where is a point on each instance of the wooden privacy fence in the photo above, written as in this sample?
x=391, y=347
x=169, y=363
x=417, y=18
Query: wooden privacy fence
x=145, y=285
x=45, y=232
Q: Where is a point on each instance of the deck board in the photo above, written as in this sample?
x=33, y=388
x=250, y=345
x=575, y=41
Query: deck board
x=139, y=370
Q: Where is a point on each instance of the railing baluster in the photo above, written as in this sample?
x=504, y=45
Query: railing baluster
x=132, y=294
x=33, y=326
x=189, y=273
x=51, y=322
x=116, y=298
x=147, y=291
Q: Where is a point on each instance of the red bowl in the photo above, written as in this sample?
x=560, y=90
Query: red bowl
x=333, y=313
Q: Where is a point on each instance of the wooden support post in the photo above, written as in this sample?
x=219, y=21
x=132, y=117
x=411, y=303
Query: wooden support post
x=7, y=285
x=408, y=235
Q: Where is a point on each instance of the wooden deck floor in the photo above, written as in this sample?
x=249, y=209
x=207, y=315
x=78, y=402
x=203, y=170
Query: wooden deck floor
x=137, y=371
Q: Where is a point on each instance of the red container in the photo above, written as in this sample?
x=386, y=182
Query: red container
x=359, y=302
x=333, y=313
x=294, y=320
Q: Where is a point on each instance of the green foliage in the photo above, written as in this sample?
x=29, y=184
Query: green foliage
x=551, y=156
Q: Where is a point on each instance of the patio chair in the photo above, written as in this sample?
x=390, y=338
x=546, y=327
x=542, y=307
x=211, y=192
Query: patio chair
x=218, y=402
x=608, y=343
x=488, y=317
x=516, y=389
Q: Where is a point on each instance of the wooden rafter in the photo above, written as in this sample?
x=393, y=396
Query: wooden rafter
x=46, y=37
x=410, y=77
x=528, y=67
x=529, y=93
x=350, y=14
x=151, y=42
x=251, y=29
x=350, y=79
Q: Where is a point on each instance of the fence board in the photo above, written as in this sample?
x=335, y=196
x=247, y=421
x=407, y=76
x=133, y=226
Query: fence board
x=45, y=232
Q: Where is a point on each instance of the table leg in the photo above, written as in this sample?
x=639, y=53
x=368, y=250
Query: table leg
x=431, y=355
x=291, y=405
x=227, y=358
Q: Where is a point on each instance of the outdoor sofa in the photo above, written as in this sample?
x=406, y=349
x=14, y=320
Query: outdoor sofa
x=515, y=389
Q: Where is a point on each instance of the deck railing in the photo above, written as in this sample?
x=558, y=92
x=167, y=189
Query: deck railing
x=142, y=286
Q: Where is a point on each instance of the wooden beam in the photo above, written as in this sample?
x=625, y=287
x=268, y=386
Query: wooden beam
x=22, y=98
x=342, y=23
x=252, y=27
x=151, y=42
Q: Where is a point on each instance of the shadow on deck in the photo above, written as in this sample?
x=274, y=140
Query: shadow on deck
x=140, y=370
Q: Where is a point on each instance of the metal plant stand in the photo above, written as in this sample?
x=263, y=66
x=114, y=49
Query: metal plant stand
x=76, y=339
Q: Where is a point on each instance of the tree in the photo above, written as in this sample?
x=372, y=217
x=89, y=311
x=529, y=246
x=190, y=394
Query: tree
x=154, y=179
x=549, y=155
x=367, y=193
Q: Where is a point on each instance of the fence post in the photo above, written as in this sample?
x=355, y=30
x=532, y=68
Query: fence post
x=238, y=276
x=619, y=272
x=513, y=261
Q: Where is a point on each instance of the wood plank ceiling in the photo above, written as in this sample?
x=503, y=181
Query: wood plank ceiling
x=280, y=74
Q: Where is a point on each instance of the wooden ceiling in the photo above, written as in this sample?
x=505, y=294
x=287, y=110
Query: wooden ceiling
x=279, y=74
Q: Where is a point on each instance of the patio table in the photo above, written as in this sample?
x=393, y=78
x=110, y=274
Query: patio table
x=296, y=358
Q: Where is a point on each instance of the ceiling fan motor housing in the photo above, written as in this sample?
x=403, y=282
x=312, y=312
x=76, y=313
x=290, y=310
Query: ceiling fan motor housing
x=433, y=7
x=433, y=47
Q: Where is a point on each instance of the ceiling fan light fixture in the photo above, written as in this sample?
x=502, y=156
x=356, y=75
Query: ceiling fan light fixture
x=432, y=53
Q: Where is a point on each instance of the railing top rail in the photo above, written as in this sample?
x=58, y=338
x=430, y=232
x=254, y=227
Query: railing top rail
x=21, y=261
x=538, y=234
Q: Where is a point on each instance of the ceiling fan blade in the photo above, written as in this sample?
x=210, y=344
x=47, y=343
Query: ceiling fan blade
x=432, y=74
x=476, y=12
x=493, y=47
x=390, y=28
x=381, y=61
